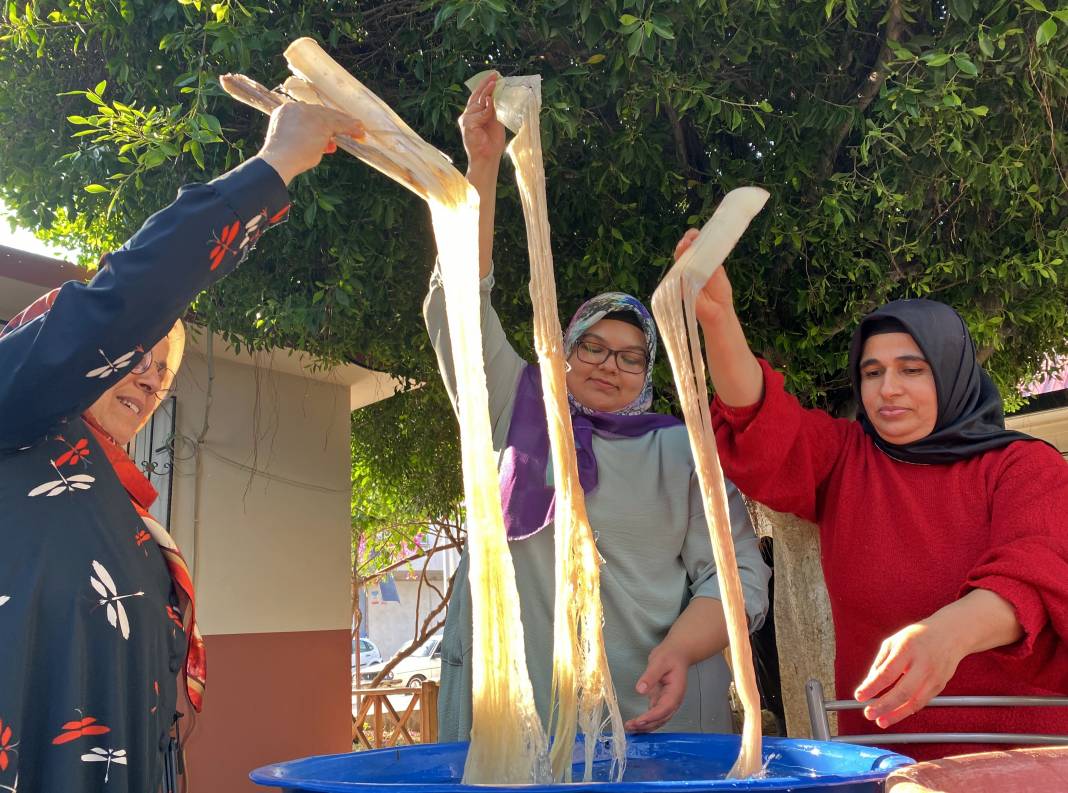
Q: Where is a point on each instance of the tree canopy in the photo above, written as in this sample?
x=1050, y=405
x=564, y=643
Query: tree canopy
x=911, y=149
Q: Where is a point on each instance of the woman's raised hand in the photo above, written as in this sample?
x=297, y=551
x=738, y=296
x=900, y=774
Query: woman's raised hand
x=715, y=301
x=483, y=134
x=735, y=372
x=300, y=134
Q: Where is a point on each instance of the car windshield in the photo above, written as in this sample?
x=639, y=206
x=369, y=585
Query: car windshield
x=423, y=652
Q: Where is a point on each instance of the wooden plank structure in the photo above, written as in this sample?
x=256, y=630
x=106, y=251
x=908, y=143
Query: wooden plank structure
x=387, y=725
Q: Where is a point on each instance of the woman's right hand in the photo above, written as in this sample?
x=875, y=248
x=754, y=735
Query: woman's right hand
x=483, y=134
x=715, y=302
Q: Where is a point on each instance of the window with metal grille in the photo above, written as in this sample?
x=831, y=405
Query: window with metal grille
x=153, y=451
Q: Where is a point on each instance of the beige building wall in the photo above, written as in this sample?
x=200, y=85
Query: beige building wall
x=262, y=513
x=1049, y=425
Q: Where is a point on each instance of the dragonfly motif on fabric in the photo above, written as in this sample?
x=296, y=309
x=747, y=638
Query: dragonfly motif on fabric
x=223, y=243
x=65, y=484
x=73, y=730
x=141, y=537
x=110, y=367
x=75, y=452
x=260, y=223
x=109, y=756
x=103, y=583
x=8, y=751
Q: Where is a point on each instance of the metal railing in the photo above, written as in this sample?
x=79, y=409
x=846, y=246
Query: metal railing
x=818, y=707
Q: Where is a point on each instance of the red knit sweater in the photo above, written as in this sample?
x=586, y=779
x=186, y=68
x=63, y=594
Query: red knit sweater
x=900, y=541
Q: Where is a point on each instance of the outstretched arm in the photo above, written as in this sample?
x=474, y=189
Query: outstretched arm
x=483, y=138
x=59, y=363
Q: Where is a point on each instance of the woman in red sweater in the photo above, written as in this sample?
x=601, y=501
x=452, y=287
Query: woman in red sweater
x=944, y=535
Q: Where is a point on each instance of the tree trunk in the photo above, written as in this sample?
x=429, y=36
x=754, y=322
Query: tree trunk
x=803, y=629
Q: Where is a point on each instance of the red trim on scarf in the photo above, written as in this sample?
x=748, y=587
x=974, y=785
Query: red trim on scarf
x=142, y=495
x=140, y=490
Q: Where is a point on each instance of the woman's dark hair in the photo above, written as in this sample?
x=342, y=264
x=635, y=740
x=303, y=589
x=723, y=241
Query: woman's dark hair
x=882, y=325
x=625, y=316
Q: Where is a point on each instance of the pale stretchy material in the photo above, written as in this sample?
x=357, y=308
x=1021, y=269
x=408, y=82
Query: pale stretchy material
x=582, y=697
x=508, y=744
x=674, y=304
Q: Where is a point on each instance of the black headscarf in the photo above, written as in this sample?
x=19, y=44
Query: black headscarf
x=970, y=416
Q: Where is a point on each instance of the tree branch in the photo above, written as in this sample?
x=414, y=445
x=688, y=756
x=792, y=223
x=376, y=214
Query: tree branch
x=868, y=90
x=410, y=559
x=425, y=633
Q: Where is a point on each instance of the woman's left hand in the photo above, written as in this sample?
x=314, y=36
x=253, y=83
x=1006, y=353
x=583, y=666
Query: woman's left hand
x=664, y=683
x=911, y=668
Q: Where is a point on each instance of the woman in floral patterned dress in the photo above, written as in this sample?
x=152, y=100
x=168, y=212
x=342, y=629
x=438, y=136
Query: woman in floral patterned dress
x=96, y=603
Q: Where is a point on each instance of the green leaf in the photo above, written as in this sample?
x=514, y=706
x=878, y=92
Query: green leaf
x=964, y=63
x=628, y=19
x=980, y=110
x=1061, y=14
x=443, y=15
x=901, y=52
x=99, y=90
x=595, y=59
x=1046, y=31
x=765, y=105
x=936, y=59
x=95, y=188
x=634, y=41
x=961, y=9
x=211, y=122
x=465, y=14
x=986, y=46
x=198, y=153
x=1038, y=5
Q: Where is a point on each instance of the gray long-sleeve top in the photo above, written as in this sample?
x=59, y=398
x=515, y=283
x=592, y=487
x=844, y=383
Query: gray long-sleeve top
x=647, y=516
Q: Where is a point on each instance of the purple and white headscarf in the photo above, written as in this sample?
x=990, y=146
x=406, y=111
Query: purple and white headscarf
x=529, y=501
x=593, y=311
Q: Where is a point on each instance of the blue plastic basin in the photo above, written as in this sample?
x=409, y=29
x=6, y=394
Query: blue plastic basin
x=658, y=763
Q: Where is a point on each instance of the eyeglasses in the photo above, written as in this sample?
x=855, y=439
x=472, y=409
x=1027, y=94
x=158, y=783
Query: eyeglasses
x=146, y=361
x=630, y=361
x=165, y=374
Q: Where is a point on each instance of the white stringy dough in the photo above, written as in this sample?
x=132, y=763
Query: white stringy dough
x=508, y=743
x=582, y=697
x=674, y=309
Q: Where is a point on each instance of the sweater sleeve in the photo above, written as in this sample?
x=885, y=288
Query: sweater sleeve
x=701, y=565
x=1027, y=559
x=503, y=365
x=777, y=452
x=60, y=363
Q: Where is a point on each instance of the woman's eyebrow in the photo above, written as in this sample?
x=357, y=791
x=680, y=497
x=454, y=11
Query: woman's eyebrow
x=594, y=336
x=877, y=362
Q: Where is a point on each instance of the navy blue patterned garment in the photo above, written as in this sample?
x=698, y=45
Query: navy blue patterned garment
x=91, y=632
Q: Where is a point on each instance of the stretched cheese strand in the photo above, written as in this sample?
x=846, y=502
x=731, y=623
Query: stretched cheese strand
x=674, y=308
x=508, y=744
x=583, y=697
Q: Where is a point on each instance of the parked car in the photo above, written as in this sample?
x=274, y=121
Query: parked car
x=369, y=654
x=423, y=664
